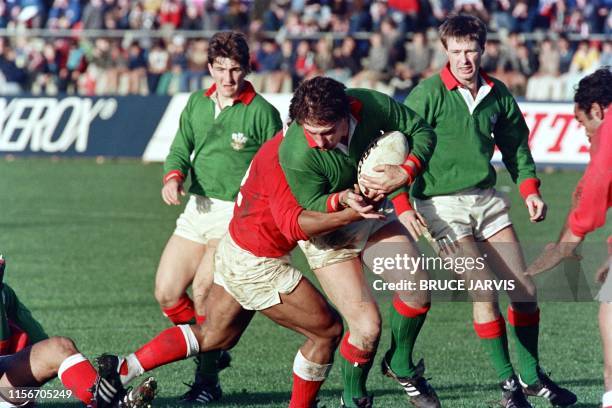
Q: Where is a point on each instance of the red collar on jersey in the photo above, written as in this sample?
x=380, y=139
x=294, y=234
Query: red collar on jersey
x=355, y=106
x=451, y=82
x=246, y=96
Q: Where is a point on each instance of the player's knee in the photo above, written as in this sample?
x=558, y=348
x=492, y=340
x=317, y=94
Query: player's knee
x=332, y=335
x=165, y=296
x=62, y=346
x=367, y=330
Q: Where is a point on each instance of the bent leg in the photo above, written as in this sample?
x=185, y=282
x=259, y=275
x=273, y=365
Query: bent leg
x=345, y=285
x=176, y=270
x=305, y=311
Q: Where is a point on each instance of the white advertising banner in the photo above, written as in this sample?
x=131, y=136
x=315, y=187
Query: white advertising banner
x=556, y=138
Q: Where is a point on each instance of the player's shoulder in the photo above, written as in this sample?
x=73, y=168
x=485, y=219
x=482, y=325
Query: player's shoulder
x=432, y=83
x=262, y=105
x=366, y=96
x=294, y=146
x=499, y=86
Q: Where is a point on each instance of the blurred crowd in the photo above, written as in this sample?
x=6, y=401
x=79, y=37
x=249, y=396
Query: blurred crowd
x=292, y=40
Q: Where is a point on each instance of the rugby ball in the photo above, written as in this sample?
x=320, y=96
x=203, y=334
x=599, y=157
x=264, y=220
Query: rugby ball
x=389, y=148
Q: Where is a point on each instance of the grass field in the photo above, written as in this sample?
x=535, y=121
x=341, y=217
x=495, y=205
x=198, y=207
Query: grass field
x=83, y=240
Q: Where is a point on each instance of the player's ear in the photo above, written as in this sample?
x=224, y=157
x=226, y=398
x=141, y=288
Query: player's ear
x=597, y=111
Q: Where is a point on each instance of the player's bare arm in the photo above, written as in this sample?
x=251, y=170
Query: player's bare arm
x=555, y=253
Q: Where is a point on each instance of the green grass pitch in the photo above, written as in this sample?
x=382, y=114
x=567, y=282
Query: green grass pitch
x=83, y=240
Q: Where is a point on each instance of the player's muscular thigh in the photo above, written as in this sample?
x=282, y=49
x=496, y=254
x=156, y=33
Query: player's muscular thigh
x=177, y=268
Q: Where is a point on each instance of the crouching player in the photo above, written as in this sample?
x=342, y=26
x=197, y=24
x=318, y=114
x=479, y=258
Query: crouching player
x=333, y=126
x=593, y=197
x=30, y=358
x=253, y=273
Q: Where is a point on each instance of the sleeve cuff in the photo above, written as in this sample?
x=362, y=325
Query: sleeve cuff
x=174, y=174
x=529, y=186
x=401, y=203
x=333, y=202
x=573, y=228
x=413, y=167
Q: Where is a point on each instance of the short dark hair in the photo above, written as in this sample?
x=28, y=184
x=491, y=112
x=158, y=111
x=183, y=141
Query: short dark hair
x=232, y=45
x=594, y=88
x=320, y=100
x=463, y=26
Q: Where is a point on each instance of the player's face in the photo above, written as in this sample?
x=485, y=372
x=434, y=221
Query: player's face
x=464, y=57
x=591, y=121
x=327, y=136
x=228, y=76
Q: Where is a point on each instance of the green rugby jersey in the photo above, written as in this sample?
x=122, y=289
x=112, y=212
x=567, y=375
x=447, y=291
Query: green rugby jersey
x=221, y=147
x=466, y=141
x=314, y=174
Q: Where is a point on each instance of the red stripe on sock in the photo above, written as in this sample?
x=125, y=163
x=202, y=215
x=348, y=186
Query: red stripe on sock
x=80, y=379
x=354, y=354
x=200, y=318
x=304, y=392
x=407, y=311
x=182, y=312
x=491, y=330
x=522, y=319
x=169, y=346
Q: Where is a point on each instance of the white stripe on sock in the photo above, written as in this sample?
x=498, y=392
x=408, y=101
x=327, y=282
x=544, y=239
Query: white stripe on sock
x=193, y=347
x=70, y=362
x=309, y=370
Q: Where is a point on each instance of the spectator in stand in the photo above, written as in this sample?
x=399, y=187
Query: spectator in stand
x=197, y=65
x=346, y=61
x=170, y=14
x=236, y=16
x=137, y=68
x=566, y=54
x=13, y=78
x=192, y=19
x=360, y=19
x=473, y=7
x=274, y=16
x=324, y=59
x=93, y=15
x=605, y=58
x=270, y=59
x=419, y=57
x=492, y=57
x=393, y=40
x=585, y=58
x=304, y=67
x=375, y=65
x=158, y=62
x=64, y=14
x=544, y=85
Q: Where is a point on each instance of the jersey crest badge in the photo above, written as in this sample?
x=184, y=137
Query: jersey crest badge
x=239, y=141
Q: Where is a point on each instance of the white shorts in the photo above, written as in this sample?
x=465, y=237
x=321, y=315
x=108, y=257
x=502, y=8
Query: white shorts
x=477, y=212
x=345, y=243
x=255, y=282
x=204, y=219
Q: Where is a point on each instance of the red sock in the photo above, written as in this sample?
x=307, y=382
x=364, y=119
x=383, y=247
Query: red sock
x=354, y=354
x=182, y=312
x=304, y=392
x=78, y=375
x=173, y=344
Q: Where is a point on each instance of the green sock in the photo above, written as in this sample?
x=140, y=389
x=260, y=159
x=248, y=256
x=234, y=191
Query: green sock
x=525, y=328
x=208, y=370
x=404, y=332
x=354, y=377
x=497, y=349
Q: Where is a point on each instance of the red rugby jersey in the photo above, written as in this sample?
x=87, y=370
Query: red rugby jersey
x=594, y=191
x=266, y=213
